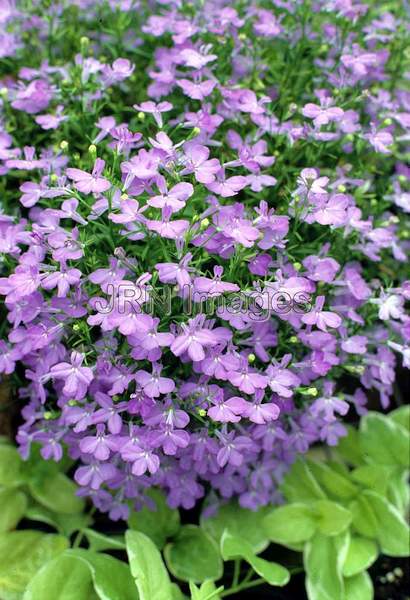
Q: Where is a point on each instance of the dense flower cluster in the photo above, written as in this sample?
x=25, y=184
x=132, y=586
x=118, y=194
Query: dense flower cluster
x=250, y=152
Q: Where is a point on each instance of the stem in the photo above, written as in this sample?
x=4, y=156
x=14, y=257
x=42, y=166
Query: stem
x=236, y=572
x=243, y=586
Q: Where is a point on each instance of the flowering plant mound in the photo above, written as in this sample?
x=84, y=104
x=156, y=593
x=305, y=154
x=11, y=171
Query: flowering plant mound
x=203, y=232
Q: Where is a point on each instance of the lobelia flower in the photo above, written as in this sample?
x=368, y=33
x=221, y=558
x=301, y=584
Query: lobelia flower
x=280, y=379
x=323, y=114
x=99, y=445
x=322, y=319
x=193, y=338
x=328, y=404
x=76, y=377
x=213, y=287
x=175, y=198
x=90, y=183
x=196, y=90
x=227, y=411
x=152, y=383
x=155, y=109
x=196, y=162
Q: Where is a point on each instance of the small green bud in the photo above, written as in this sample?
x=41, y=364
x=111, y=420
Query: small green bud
x=124, y=196
x=242, y=36
x=204, y=223
x=92, y=149
x=350, y=137
x=341, y=188
x=201, y=412
x=4, y=92
x=141, y=116
x=196, y=131
x=402, y=178
x=251, y=358
x=297, y=266
x=76, y=327
x=72, y=403
x=48, y=415
x=76, y=156
x=387, y=122
x=53, y=178
x=312, y=391
x=64, y=145
x=293, y=339
x=84, y=42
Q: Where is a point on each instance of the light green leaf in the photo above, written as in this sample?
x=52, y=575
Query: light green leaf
x=398, y=491
x=359, y=587
x=207, y=591
x=64, y=523
x=401, y=416
x=147, y=567
x=375, y=477
x=12, y=508
x=364, y=520
x=392, y=532
x=239, y=521
x=64, y=578
x=22, y=554
x=332, y=518
x=176, y=593
x=290, y=524
x=10, y=466
x=383, y=441
x=323, y=559
x=193, y=556
x=99, y=542
x=233, y=547
x=57, y=493
x=333, y=482
x=158, y=524
x=361, y=553
x=111, y=577
x=300, y=485
x=349, y=448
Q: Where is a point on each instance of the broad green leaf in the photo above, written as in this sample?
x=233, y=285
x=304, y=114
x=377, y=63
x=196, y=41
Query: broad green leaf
x=364, y=520
x=383, y=441
x=10, y=466
x=22, y=554
x=359, y=587
x=393, y=533
x=158, y=524
x=64, y=523
x=401, y=416
x=176, y=593
x=323, y=559
x=235, y=547
x=207, y=591
x=64, y=578
x=147, y=567
x=12, y=508
x=398, y=491
x=332, y=518
x=300, y=485
x=99, y=542
x=111, y=577
x=349, y=448
x=290, y=524
x=239, y=521
x=333, y=482
x=361, y=553
x=375, y=477
x=57, y=493
x=193, y=555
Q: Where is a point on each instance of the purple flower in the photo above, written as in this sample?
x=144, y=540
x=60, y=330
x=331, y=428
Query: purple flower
x=194, y=337
x=321, y=318
x=152, y=383
x=90, y=183
x=155, y=109
x=76, y=378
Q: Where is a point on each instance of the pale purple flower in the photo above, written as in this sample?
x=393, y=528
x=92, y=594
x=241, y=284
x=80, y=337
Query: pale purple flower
x=155, y=109
x=76, y=377
x=90, y=183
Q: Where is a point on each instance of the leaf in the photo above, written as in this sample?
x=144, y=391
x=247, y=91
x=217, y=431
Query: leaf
x=57, y=493
x=398, y=491
x=290, y=524
x=147, y=567
x=349, y=448
x=193, y=556
x=300, y=484
x=361, y=553
x=364, y=520
x=333, y=482
x=111, y=577
x=401, y=416
x=332, y=518
x=158, y=524
x=207, y=591
x=383, y=441
x=64, y=523
x=10, y=466
x=22, y=554
x=359, y=587
x=238, y=520
x=99, y=542
x=64, y=578
x=12, y=508
x=323, y=559
x=375, y=477
x=392, y=532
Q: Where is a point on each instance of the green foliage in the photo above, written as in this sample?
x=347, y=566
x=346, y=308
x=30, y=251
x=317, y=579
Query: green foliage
x=160, y=523
x=147, y=567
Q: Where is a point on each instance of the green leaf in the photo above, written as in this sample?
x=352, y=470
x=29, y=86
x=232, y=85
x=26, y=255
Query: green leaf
x=361, y=553
x=233, y=547
x=359, y=587
x=12, y=508
x=364, y=520
x=375, y=477
x=332, y=518
x=383, y=441
x=64, y=578
x=392, y=532
x=10, y=466
x=300, y=485
x=57, y=493
x=349, y=447
x=22, y=554
x=111, y=577
x=398, y=491
x=333, y=482
x=323, y=559
x=290, y=524
x=207, y=591
x=248, y=523
x=193, y=556
x=158, y=524
x=65, y=524
x=147, y=567
x=401, y=416
x=99, y=542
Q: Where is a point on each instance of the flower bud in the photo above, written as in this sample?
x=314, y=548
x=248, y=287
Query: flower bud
x=141, y=116
x=92, y=149
x=196, y=131
x=201, y=412
x=297, y=266
x=84, y=42
x=4, y=92
x=53, y=178
x=64, y=145
x=251, y=358
x=204, y=223
x=293, y=339
x=124, y=196
x=341, y=188
x=387, y=122
x=76, y=327
x=402, y=178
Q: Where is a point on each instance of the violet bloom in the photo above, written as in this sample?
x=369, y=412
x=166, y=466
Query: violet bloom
x=175, y=198
x=246, y=379
x=99, y=445
x=109, y=412
x=142, y=458
x=259, y=412
x=76, y=378
x=196, y=162
x=155, y=109
x=176, y=273
x=172, y=230
x=323, y=114
x=280, y=379
x=328, y=405
x=227, y=187
x=62, y=280
x=321, y=318
x=196, y=90
x=152, y=383
x=227, y=411
x=193, y=338
x=90, y=183
x=214, y=287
